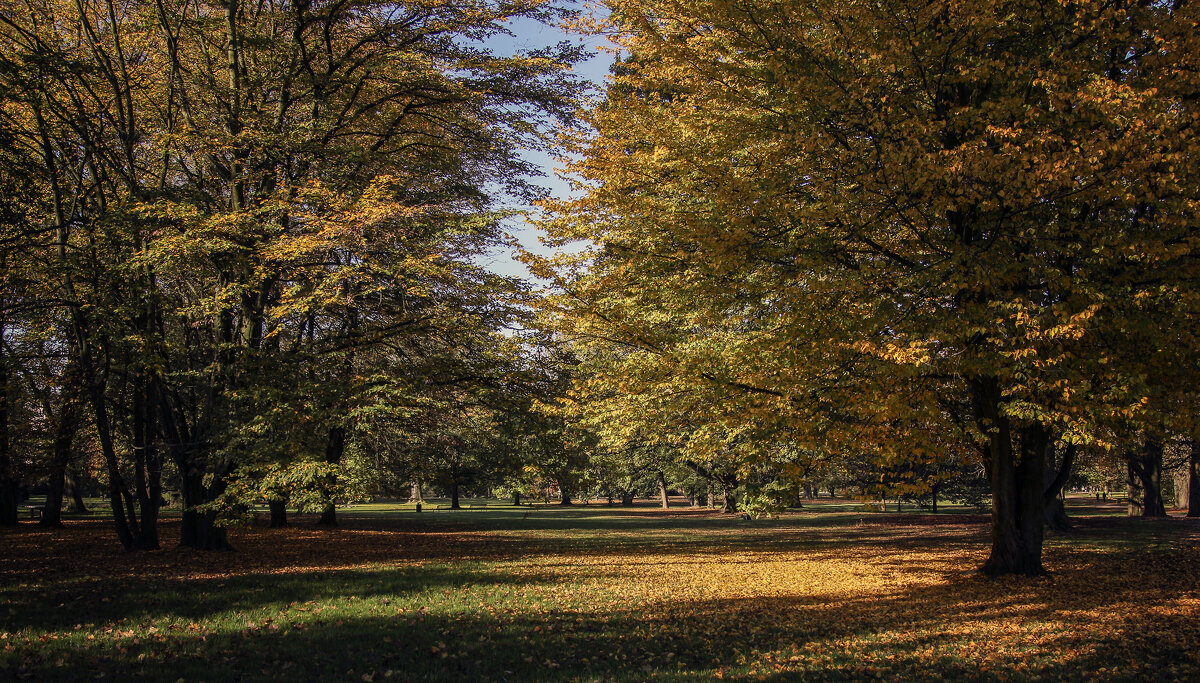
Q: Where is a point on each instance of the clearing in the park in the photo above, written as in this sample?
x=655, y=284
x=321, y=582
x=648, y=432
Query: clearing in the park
x=605, y=593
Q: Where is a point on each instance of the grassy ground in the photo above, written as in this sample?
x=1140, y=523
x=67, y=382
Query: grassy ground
x=597, y=593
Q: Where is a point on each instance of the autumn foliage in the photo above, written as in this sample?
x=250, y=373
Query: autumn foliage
x=886, y=232
x=561, y=595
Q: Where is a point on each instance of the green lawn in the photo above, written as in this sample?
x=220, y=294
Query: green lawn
x=598, y=593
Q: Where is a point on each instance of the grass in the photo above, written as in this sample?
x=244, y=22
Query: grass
x=597, y=593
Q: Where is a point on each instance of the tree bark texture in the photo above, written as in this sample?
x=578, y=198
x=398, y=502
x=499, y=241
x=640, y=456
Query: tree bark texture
x=1017, y=484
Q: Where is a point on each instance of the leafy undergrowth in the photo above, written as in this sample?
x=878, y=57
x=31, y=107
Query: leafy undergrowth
x=597, y=594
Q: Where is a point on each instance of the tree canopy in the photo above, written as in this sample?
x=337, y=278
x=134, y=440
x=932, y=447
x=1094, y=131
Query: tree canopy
x=898, y=229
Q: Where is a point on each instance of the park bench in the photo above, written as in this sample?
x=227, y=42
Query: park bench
x=477, y=505
x=35, y=511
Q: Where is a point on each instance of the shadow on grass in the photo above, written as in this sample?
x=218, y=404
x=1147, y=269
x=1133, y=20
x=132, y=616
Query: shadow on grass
x=434, y=600
x=96, y=600
x=964, y=628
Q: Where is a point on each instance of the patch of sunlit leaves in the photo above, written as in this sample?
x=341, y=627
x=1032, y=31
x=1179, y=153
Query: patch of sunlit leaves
x=722, y=601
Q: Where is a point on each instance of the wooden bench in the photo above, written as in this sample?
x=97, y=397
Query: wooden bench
x=35, y=511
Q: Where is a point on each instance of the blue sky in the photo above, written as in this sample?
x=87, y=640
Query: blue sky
x=528, y=35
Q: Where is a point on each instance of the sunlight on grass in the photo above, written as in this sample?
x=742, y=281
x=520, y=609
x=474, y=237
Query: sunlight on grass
x=631, y=595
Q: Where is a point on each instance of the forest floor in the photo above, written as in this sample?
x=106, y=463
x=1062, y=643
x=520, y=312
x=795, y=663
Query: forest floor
x=599, y=593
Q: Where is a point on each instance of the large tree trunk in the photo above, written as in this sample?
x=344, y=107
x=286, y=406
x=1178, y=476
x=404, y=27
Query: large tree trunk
x=334, y=448
x=1018, y=487
x=1194, y=479
x=626, y=498
x=565, y=492
x=75, y=490
x=199, y=529
x=454, y=502
x=10, y=496
x=662, y=491
x=1145, y=470
x=278, y=507
x=414, y=494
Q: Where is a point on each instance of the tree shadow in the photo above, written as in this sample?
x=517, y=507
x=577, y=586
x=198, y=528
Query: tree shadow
x=1110, y=603
x=965, y=627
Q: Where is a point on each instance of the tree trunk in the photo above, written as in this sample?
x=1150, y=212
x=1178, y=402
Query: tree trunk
x=1133, y=487
x=454, y=505
x=75, y=489
x=414, y=495
x=729, y=505
x=626, y=498
x=9, y=486
x=1056, y=479
x=564, y=491
x=662, y=491
x=517, y=498
x=60, y=458
x=278, y=507
x=1152, y=462
x=119, y=500
x=1145, y=474
x=334, y=448
x=1018, y=487
x=1181, y=489
x=55, y=490
x=147, y=460
x=1194, y=479
x=199, y=529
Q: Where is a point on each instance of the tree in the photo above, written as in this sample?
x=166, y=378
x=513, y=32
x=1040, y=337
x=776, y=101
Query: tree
x=834, y=220
x=235, y=188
